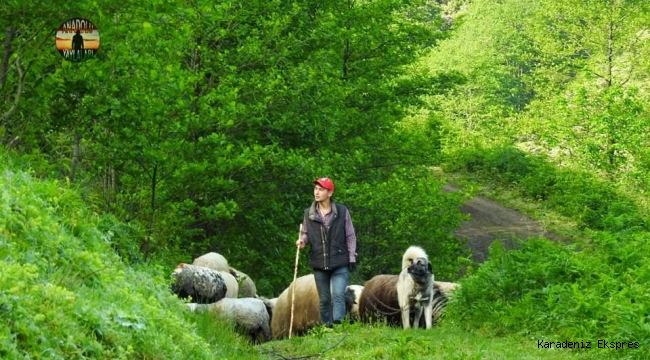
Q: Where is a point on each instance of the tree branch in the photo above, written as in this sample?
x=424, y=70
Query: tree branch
x=10, y=32
x=19, y=91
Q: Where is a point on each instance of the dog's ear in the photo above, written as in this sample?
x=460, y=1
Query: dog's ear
x=429, y=267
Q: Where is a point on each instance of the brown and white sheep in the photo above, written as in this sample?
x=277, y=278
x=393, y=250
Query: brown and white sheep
x=306, y=313
x=378, y=301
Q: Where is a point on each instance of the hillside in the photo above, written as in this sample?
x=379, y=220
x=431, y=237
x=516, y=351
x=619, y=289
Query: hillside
x=64, y=292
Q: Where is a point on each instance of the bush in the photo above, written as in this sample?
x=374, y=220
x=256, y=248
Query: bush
x=408, y=208
x=545, y=287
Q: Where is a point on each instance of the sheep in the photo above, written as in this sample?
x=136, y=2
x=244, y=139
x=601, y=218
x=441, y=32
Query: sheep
x=352, y=296
x=269, y=303
x=231, y=284
x=246, y=284
x=440, y=299
x=379, y=302
x=212, y=260
x=202, y=284
x=249, y=315
x=306, y=313
x=446, y=287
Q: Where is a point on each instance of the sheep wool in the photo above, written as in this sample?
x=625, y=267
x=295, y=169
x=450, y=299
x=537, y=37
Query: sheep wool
x=446, y=287
x=352, y=296
x=378, y=301
x=306, y=313
x=203, y=285
x=212, y=260
x=231, y=284
x=248, y=314
x=270, y=304
x=246, y=284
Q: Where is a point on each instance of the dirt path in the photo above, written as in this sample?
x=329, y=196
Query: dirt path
x=490, y=221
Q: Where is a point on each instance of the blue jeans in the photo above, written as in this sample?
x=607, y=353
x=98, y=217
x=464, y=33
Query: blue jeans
x=331, y=285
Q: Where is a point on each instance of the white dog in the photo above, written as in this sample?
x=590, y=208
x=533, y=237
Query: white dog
x=415, y=287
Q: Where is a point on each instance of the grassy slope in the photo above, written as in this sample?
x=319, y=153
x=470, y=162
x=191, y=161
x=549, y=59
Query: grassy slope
x=65, y=294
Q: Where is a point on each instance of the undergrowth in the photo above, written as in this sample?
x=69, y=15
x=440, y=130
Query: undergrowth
x=592, y=289
x=65, y=294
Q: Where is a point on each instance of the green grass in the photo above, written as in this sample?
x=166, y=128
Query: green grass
x=366, y=342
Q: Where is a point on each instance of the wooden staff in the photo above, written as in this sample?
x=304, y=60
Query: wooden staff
x=293, y=286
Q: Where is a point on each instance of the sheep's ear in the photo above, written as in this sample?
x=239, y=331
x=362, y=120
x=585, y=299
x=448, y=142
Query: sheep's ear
x=430, y=268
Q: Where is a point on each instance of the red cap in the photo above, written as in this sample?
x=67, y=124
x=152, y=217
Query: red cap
x=326, y=183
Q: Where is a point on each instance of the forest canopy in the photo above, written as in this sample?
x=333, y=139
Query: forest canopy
x=202, y=125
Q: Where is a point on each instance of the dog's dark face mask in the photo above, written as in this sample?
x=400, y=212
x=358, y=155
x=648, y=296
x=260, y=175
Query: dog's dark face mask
x=420, y=270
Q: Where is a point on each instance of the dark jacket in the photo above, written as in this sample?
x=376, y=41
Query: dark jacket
x=329, y=249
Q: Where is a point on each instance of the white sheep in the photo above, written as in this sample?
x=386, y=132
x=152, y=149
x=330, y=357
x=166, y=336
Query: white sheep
x=231, y=284
x=249, y=315
x=212, y=260
x=246, y=285
x=270, y=304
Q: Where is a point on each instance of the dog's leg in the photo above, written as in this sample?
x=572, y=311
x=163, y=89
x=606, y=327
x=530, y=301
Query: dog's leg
x=418, y=315
x=428, y=314
x=406, y=309
x=403, y=292
x=404, y=305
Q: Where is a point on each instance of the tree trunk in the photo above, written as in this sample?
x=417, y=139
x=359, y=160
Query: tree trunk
x=76, y=154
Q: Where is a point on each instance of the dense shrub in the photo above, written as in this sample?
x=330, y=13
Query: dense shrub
x=598, y=292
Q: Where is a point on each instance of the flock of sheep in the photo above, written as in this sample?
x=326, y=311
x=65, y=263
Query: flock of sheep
x=216, y=287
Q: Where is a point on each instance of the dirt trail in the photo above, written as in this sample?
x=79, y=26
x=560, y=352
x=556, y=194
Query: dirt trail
x=490, y=221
